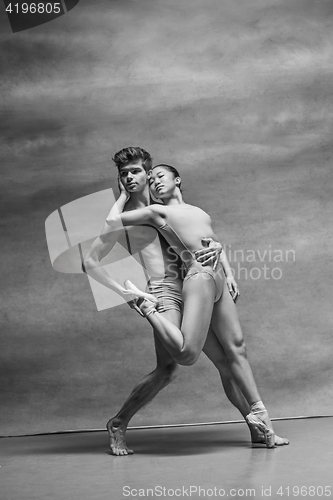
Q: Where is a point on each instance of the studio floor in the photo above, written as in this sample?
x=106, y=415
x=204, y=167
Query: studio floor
x=212, y=461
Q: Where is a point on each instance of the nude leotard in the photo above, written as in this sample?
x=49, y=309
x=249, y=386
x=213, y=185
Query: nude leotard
x=184, y=227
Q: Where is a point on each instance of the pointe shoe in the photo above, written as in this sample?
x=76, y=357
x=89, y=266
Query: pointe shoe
x=139, y=293
x=255, y=420
x=146, y=307
x=146, y=302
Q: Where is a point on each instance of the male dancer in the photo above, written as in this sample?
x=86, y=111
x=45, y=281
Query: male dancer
x=133, y=165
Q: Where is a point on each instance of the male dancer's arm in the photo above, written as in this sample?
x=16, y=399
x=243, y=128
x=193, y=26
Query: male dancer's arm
x=120, y=203
x=103, y=245
x=218, y=253
x=210, y=255
x=100, y=248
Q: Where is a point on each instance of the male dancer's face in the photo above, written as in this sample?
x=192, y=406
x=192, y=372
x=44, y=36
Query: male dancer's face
x=133, y=177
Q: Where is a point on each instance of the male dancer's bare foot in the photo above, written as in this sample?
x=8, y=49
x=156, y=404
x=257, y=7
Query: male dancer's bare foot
x=117, y=433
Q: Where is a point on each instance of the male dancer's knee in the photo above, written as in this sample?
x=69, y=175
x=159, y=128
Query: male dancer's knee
x=223, y=367
x=167, y=372
x=222, y=364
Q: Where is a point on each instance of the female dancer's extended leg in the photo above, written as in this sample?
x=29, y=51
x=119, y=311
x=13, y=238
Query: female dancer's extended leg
x=225, y=324
x=215, y=352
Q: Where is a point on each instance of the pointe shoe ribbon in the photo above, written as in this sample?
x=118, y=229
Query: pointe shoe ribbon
x=256, y=419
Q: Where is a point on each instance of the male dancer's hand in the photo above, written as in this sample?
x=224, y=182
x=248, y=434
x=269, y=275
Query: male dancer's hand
x=210, y=255
x=122, y=189
x=131, y=302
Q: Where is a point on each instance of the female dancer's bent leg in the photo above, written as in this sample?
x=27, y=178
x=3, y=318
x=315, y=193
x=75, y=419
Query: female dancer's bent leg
x=185, y=344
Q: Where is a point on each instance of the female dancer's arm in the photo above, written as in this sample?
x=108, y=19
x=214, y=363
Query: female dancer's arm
x=230, y=280
x=153, y=215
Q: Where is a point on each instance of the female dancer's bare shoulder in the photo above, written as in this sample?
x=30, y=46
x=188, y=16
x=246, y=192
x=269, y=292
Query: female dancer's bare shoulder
x=159, y=213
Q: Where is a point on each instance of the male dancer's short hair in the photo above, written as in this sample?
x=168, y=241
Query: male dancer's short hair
x=133, y=155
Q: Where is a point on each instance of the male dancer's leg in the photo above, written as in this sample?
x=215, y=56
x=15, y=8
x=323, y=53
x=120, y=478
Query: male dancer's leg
x=225, y=324
x=165, y=371
x=215, y=352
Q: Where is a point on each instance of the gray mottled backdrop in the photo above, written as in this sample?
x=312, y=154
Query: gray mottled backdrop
x=238, y=95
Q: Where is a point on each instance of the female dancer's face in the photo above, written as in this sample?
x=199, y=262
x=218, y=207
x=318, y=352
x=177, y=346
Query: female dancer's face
x=162, y=183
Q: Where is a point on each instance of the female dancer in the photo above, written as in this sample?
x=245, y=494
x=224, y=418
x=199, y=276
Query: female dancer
x=205, y=303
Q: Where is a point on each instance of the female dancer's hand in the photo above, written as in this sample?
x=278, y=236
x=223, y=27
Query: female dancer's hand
x=209, y=256
x=233, y=288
